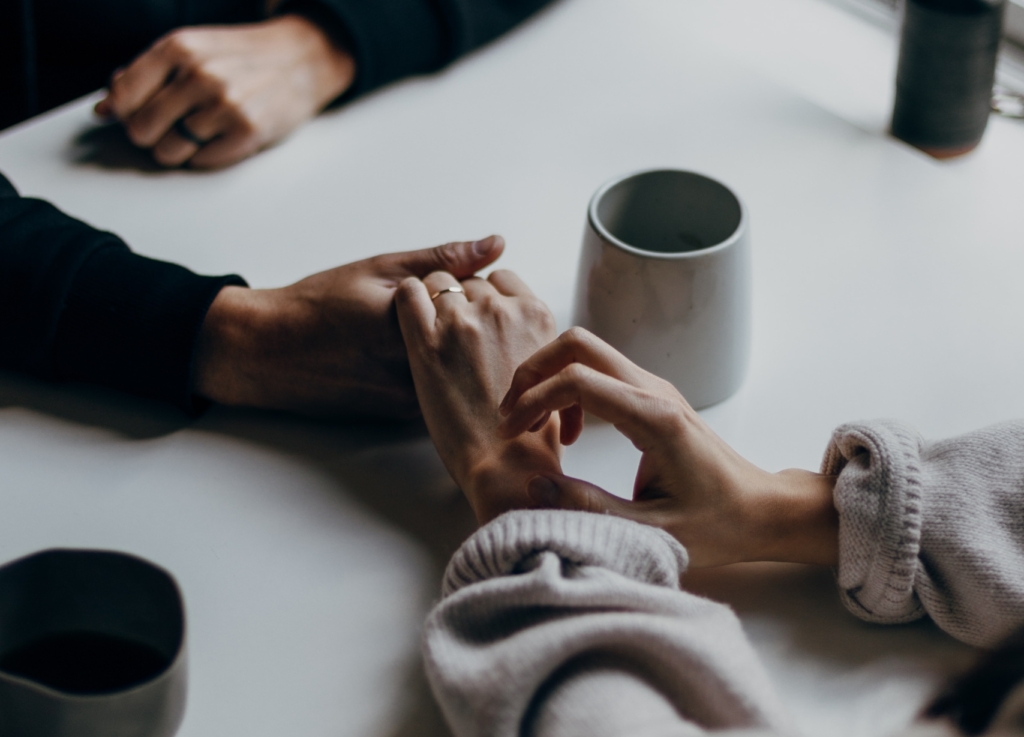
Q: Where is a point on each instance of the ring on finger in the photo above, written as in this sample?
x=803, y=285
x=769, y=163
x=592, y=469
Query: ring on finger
x=453, y=290
x=182, y=129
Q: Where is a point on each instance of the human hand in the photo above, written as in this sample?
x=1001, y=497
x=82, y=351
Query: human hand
x=690, y=483
x=463, y=349
x=329, y=344
x=236, y=88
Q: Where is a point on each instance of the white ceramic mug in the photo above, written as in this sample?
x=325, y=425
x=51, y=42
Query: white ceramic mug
x=665, y=278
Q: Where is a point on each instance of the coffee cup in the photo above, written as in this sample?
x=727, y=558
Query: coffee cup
x=92, y=644
x=665, y=278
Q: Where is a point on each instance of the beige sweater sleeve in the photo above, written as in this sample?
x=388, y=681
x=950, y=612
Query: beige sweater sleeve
x=567, y=623
x=932, y=529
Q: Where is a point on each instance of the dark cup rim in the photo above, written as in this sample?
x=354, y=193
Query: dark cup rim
x=70, y=696
x=605, y=234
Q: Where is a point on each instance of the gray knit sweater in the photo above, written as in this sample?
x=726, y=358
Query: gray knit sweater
x=565, y=623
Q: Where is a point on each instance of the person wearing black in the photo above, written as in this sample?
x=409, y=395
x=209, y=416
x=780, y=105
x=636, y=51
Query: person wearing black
x=236, y=75
x=76, y=304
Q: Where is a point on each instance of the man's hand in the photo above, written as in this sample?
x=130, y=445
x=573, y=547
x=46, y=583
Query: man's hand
x=327, y=345
x=234, y=89
x=464, y=344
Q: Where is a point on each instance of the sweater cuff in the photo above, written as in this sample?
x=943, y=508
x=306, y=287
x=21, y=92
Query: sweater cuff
x=389, y=39
x=878, y=496
x=629, y=548
x=132, y=323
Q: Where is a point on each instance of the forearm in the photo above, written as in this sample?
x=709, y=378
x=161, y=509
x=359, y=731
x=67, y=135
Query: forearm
x=536, y=591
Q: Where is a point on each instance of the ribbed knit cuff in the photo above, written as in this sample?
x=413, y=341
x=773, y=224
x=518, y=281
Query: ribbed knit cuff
x=132, y=323
x=389, y=39
x=631, y=549
x=878, y=496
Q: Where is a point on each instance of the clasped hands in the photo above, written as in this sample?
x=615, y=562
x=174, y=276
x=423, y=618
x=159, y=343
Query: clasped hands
x=501, y=395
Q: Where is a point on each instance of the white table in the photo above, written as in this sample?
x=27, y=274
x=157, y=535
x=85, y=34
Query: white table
x=885, y=284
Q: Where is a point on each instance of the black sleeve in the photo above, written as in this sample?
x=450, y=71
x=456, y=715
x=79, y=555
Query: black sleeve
x=391, y=39
x=77, y=305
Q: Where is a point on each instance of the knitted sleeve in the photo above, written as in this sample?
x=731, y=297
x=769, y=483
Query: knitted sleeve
x=567, y=623
x=932, y=529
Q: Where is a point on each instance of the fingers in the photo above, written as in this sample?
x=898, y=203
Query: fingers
x=461, y=259
x=572, y=424
x=478, y=289
x=416, y=313
x=575, y=345
x=554, y=491
x=173, y=150
x=640, y=414
x=509, y=284
x=156, y=117
x=131, y=88
x=439, y=281
x=237, y=143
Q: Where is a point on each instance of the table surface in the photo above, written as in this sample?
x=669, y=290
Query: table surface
x=886, y=284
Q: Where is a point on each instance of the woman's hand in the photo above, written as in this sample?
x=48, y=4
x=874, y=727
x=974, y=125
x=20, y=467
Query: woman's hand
x=463, y=348
x=327, y=345
x=211, y=96
x=690, y=482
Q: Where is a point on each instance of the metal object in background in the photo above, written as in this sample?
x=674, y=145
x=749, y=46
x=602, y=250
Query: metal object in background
x=1008, y=104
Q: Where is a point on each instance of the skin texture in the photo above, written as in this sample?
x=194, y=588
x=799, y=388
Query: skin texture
x=690, y=482
x=463, y=349
x=239, y=88
x=327, y=345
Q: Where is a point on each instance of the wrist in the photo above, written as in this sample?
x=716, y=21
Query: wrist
x=223, y=370
x=334, y=68
x=497, y=481
x=796, y=520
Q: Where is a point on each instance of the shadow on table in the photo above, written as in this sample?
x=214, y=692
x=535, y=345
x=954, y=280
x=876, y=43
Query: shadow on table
x=390, y=469
x=805, y=600
x=108, y=147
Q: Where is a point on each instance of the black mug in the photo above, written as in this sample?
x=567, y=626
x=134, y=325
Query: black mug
x=92, y=644
x=948, y=53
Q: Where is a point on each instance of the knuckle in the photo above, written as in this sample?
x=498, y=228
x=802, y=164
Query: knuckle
x=212, y=85
x=447, y=256
x=139, y=134
x=574, y=373
x=576, y=336
x=405, y=291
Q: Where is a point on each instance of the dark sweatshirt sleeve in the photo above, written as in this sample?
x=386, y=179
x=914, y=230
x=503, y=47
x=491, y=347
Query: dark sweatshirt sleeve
x=77, y=305
x=391, y=39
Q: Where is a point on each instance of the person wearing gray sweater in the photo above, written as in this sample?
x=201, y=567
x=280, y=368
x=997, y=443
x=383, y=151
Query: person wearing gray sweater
x=566, y=617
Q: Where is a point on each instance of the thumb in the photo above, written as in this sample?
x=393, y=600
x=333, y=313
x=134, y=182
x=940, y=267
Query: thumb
x=461, y=259
x=554, y=491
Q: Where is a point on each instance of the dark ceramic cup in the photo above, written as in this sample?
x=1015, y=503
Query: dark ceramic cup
x=92, y=644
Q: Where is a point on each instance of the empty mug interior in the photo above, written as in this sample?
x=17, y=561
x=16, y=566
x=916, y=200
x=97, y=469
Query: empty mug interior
x=667, y=212
x=88, y=621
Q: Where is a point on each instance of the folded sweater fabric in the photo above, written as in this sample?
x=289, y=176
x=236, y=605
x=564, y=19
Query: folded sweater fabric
x=557, y=623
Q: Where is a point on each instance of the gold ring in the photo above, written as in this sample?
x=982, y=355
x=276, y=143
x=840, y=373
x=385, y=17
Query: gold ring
x=446, y=290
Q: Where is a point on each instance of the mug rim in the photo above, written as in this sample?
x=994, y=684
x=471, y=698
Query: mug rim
x=169, y=672
x=606, y=236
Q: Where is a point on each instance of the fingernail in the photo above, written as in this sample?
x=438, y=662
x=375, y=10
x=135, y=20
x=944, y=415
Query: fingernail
x=543, y=491
x=504, y=408
x=485, y=246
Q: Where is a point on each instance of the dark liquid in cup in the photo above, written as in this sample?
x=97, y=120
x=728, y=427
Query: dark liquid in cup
x=85, y=662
